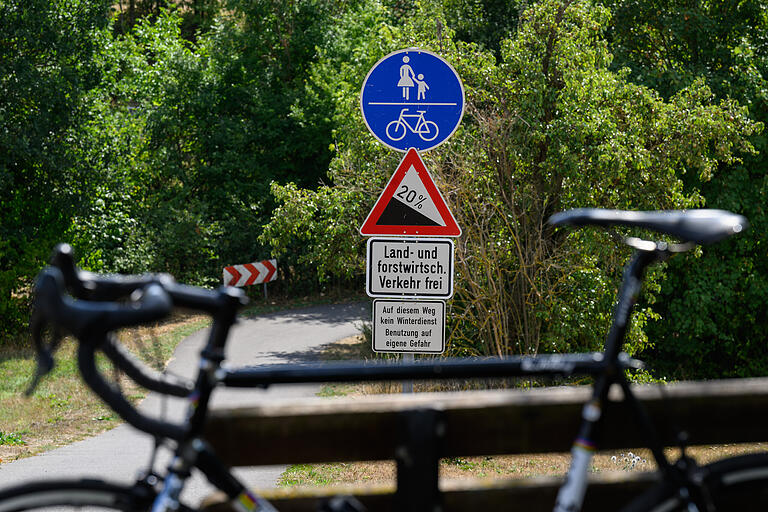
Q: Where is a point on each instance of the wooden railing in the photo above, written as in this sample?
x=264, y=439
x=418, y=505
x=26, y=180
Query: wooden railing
x=416, y=430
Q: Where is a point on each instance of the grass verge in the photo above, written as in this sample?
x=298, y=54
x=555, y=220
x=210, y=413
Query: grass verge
x=64, y=410
x=498, y=467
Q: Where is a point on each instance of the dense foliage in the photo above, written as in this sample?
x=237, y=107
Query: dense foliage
x=215, y=123
x=185, y=136
x=549, y=126
x=47, y=66
x=715, y=305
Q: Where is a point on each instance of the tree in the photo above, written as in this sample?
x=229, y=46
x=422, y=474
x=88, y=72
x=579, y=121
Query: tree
x=484, y=22
x=315, y=231
x=714, y=306
x=196, y=131
x=234, y=117
x=549, y=127
x=46, y=67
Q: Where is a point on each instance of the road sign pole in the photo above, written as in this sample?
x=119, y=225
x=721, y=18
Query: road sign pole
x=408, y=384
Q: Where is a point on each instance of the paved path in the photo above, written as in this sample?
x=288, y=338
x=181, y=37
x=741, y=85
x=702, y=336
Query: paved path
x=116, y=455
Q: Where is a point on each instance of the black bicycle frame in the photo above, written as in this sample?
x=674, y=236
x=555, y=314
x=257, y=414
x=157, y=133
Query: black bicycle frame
x=585, y=444
x=607, y=368
x=456, y=368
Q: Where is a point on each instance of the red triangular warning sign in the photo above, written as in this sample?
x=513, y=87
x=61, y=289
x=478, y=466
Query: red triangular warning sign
x=410, y=204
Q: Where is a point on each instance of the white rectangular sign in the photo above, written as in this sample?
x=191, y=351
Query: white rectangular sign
x=412, y=267
x=409, y=326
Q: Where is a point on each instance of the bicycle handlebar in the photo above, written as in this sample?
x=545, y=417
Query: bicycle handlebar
x=93, y=313
x=91, y=323
x=114, y=398
x=86, y=320
x=109, y=287
x=54, y=307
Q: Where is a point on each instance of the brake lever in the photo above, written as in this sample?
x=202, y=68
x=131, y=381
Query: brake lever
x=41, y=372
x=43, y=353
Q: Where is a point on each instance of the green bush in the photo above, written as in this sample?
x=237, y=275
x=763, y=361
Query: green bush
x=714, y=305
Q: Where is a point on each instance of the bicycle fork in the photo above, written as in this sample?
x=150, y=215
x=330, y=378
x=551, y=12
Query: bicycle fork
x=197, y=453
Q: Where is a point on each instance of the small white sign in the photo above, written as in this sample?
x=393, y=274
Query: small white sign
x=409, y=326
x=412, y=267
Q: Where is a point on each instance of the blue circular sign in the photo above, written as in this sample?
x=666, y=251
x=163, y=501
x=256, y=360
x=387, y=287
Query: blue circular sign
x=412, y=99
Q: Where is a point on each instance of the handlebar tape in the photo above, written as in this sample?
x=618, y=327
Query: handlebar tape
x=84, y=319
x=109, y=287
x=113, y=397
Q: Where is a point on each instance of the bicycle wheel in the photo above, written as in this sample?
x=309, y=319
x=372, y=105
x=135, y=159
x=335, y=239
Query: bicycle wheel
x=396, y=130
x=75, y=494
x=429, y=131
x=737, y=483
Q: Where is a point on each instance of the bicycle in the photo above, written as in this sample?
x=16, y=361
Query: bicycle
x=683, y=485
x=426, y=130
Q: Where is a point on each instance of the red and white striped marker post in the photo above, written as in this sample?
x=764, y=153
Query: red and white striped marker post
x=251, y=273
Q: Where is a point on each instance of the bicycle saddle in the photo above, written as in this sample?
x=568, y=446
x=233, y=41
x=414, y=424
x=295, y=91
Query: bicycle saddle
x=703, y=226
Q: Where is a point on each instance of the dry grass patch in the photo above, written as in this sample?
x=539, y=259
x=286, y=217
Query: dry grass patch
x=556, y=464
x=497, y=467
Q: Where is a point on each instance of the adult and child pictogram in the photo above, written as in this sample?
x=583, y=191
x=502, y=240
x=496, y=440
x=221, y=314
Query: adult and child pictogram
x=409, y=79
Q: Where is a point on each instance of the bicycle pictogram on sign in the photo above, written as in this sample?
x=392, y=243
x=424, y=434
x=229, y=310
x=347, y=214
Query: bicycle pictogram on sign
x=397, y=129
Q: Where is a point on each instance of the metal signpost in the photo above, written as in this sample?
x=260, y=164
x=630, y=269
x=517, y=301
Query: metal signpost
x=412, y=100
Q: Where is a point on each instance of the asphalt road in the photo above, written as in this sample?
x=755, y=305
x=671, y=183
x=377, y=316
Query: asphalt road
x=117, y=455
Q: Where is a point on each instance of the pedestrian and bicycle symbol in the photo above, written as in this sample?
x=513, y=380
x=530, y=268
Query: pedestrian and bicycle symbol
x=412, y=99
